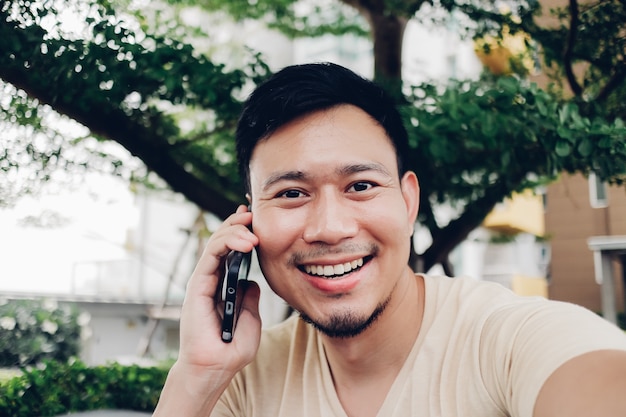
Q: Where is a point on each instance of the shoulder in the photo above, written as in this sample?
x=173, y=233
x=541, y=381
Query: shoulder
x=471, y=296
x=517, y=342
x=466, y=282
x=441, y=286
x=498, y=310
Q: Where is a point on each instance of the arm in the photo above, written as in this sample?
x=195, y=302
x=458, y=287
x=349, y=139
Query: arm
x=205, y=364
x=592, y=384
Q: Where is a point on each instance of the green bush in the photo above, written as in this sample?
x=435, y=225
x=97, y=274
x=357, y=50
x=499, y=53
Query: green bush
x=55, y=388
x=34, y=331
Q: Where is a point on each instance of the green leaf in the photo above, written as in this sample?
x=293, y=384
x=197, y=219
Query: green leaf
x=565, y=133
x=505, y=158
x=488, y=126
x=563, y=149
x=605, y=142
x=585, y=147
x=541, y=108
x=508, y=84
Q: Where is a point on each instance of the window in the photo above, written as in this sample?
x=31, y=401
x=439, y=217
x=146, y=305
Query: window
x=598, y=193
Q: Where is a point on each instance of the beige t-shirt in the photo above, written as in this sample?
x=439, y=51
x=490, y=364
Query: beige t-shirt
x=482, y=352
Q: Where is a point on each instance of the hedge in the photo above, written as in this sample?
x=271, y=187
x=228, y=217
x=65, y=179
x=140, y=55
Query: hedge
x=32, y=331
x=56, y=388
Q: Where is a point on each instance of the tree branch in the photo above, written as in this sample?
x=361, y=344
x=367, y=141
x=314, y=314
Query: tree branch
x=568, y=54
x=615, y=81
x=142, y=137
x=458, y=229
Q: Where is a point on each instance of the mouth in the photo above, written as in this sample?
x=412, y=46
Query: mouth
x=335, y=271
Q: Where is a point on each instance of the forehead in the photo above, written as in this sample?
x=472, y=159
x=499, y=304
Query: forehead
x=343, y=135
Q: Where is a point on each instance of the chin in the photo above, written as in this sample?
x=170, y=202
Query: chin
x=346, y=325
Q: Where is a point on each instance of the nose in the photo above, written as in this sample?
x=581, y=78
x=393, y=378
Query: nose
x=330, y=220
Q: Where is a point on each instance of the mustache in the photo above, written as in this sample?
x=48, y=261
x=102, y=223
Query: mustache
x=320, y=249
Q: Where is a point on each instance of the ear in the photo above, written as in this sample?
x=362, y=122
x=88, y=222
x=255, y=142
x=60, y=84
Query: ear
x=411, y=193
x=249, y=198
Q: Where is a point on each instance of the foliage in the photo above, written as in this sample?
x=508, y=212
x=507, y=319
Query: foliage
x=34, y=331
x=56, y=388
x=293, y=18
x=501, y=135
x=8, y=373
x=585, y=49
x=147, y=84
x=126, y=85
x=504, y=129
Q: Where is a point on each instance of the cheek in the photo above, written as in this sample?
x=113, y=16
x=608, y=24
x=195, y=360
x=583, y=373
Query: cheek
x=276, y=233
x=389, y=221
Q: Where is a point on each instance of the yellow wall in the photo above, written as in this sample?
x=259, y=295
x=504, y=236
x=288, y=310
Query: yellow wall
x=521, y=213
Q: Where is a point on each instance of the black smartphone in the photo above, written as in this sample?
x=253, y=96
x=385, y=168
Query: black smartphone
x=237, y=268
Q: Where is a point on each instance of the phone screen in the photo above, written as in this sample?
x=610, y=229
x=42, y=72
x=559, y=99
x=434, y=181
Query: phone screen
x=237, y=268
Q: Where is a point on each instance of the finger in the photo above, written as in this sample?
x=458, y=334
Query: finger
x=251, y=297
x=233, y=234
x=249, y=324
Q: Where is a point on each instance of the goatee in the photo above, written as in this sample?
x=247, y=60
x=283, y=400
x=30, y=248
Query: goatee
x=347, y=324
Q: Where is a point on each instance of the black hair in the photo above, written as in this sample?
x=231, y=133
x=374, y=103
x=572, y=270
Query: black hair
x=299, y=90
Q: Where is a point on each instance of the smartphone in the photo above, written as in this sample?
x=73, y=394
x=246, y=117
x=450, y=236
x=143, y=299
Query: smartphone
x=237, y=268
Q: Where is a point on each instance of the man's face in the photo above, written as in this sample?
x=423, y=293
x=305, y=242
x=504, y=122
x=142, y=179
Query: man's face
x=333, y=219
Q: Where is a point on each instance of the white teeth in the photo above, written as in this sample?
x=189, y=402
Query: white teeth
x=333, y=270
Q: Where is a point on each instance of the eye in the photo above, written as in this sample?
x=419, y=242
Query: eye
x=361, y=186
x=290, y=194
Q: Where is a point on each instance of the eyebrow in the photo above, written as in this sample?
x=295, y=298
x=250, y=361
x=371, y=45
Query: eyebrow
x=345, y=170
x=284, y=176
x=357, y=168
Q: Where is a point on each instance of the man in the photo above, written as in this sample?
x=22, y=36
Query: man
x=332, y=214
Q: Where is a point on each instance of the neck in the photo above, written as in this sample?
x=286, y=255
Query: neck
x=383, y=347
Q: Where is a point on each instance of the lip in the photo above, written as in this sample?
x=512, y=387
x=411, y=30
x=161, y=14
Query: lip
x=337, y=285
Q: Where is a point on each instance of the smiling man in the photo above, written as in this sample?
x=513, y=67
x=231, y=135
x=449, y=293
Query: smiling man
x=332, y=213
x=336, y=217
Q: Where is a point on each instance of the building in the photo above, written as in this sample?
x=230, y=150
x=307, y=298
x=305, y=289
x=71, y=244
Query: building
x=583, y=218
x=516, y=255
x=585, y=224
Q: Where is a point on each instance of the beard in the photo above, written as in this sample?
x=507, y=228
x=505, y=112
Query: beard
x=347, y=324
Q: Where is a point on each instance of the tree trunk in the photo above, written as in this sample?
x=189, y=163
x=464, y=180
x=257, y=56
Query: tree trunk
x=388, y=36
x=387, y=30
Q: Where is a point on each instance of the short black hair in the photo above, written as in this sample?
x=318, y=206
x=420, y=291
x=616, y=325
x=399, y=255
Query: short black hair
x=299, y=90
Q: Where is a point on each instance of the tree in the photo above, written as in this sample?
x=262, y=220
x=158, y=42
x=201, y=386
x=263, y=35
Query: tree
x=473, y=143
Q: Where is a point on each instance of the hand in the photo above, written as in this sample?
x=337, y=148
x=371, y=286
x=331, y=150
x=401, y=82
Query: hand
x=205, y=363
x=201, y=346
